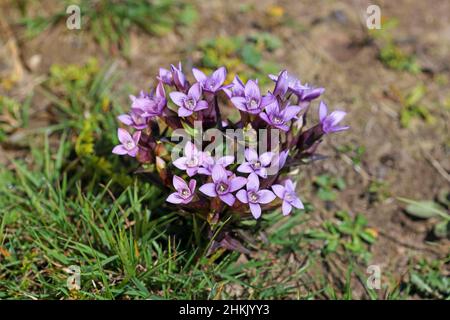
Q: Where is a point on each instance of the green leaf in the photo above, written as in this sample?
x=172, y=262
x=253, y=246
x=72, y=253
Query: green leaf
x=442, y=229
x=251, y=55
x=422, y=209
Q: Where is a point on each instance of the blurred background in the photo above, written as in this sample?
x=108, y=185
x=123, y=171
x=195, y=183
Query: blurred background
x=381, y=198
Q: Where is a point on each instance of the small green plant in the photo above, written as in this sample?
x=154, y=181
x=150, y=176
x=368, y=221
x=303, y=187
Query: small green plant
x=111, y=22
x=412, y=107
x=13, y=116
x=327, y=186
x=429, y=279
x=437, y=210
x=390, y=54
x=348, y=233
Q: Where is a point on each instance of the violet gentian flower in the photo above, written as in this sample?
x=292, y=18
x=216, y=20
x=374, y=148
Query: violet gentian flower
x=288, y=195
x=223, y=185
x=214, y=82
x=178, y=77
x=279, y=160
x=252, y=101
x=235, y=89
x=184, y=193
x=191, y=161
x=281, y=84
x=149, y=105
x=189, y=103
x=133, y=120
x=255, y=164
x=279, y=118
x=208, y=164
x=165, y=76
x=255, y=197
x=330, y=121
x=305, y=93
x=129, y=144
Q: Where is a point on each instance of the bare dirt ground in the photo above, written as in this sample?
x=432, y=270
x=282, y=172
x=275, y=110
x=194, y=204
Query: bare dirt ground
x=325, y=44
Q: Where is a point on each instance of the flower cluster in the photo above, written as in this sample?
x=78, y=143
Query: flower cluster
x=216, y=184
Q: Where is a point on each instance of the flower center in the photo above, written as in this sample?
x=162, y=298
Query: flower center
x=192, y=162
x=212, y=84
x=222, y=187
x=185, y=193
x=189, y=104
x=277, y=120
x=129, y=144
x=253, y=104
x=253, y=196
x=289, y=197
x=256, y=164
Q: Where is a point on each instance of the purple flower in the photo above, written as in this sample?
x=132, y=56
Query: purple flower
x=208, y=164
x=279, y=160
x=251, y=102
x=129, y=144
x=279, y=118
x=214, y=82
x=133, y=120
x=192, y=161
x=235, y=89
x=179, y=79
x=305, y=93
x=330, y=121
x=149, y=105
x=223, y=185
x=165, y=76
x=281, y=84
x=255, y=164
x=189, y=103
x=184, y=193
x=254, y=197
x=288, y=195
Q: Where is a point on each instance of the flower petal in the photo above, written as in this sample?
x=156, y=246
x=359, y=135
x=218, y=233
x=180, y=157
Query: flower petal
x=286, y=208
x=266, y=196
x=192, y=185
x=242, y=196
x=174, y=198
x=297, y=203
x=120, y=150
x=278, y=189
x=209, y=189
x=201, y=105
x=123, y=135
x=237, y=183
x=228, y=198
x=251, y=155
x=255, y=209
x=290, y=112
x=198, y=75
x=252, y=182
x=266, y=158
x=323, y=110
x=178, y=98
x=179, y=183
x=180, y=163
x=245, y=168
x=125, y=119
x=252, y=90
x=240, y=103
x=183, y=112
x=195, y=91
x=218, y=173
